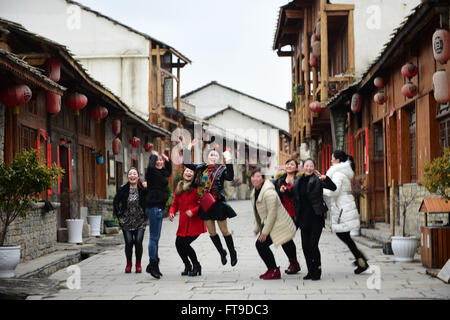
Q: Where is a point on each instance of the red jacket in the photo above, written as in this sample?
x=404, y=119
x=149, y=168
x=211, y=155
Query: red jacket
x=188, y=226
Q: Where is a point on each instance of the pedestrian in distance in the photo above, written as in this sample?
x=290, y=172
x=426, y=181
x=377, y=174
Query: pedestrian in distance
x=273, y=224
x=210, y=177
x=283, y=183
x=310, y=211
x=342, y=206
x=190, y=226
x=158, y=171
x=129, y=208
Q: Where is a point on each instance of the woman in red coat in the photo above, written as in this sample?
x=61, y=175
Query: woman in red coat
x=190, y=225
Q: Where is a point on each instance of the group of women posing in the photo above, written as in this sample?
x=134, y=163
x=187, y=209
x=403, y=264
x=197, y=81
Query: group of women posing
x=280, y=207
x=137, y=203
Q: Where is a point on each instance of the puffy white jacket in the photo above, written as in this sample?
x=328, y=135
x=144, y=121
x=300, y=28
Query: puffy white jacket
x=341, y=204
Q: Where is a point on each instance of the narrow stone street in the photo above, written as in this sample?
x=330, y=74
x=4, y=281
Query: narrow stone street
x=102, y=276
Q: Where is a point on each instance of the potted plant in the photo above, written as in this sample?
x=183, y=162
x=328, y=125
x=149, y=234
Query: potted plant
x=20, y=185
x=437, y=175
x=94, y=218
x=404, y=246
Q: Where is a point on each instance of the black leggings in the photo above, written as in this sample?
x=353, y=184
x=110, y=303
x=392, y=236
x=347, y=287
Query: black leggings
x=267, y=255
x=183, y=245
x=345, y=237
x=133, y=238
x=310, y=246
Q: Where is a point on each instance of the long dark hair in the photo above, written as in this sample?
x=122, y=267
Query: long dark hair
x=342, y=157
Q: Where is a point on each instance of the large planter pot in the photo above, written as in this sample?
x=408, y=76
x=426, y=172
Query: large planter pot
x=95, y=222
x=75, y=230
x=404, y=248
x=9, y=259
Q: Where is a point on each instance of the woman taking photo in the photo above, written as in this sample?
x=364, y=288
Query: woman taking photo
x=209, y=178
x=190, y=226
x=129, y=207
x=310, y=210
x=342, y=206
x=283, y=183
x=158, y=171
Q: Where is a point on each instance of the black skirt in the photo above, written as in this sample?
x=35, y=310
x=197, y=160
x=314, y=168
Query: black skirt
x=219, y=211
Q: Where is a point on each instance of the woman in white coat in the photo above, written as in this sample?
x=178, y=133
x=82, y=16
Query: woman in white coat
x=342, y=206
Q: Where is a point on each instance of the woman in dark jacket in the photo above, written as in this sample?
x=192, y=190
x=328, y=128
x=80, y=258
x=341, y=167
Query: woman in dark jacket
x=310, y=210
x=129, y=207
x=283, y=183
x=215, y=173
x=158, y=171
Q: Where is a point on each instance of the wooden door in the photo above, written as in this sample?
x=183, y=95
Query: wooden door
x=119, y=175
x=378, y=208
x=64, y=186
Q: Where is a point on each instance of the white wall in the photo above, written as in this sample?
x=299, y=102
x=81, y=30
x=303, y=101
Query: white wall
x=125, y=72
x=375, y=21
x=214, y=98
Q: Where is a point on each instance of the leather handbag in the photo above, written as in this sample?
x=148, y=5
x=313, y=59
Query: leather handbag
x=208, y=200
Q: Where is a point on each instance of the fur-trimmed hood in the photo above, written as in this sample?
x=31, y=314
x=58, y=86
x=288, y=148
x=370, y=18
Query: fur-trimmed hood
x=184, y=186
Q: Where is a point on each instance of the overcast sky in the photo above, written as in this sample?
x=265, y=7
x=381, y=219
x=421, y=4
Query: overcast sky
x=227, y=41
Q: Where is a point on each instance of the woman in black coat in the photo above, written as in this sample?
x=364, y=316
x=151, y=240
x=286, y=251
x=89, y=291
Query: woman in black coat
x=310, y=211
x=129, y=208
x=216, y=173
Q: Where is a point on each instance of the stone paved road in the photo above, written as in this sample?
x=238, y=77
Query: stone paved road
x=102, y=276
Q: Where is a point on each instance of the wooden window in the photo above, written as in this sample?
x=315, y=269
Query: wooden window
x=412, y=143
x=360, y=152
x=28, y=138
x=443, y=116
x=378, y=141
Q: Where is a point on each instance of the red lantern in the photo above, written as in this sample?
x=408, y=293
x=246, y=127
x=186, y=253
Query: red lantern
x=53, y=103
x=441, y=45
x=409, y=70
x=313, y=60
x=441, y=85
x=116, y=145
x=315, y=38
x=315, y=106
x=76, y=101
x=16, y=96
x=116, y=127
x=379, y=82
x=148, y=146
x=356, y=103
x=54, y=69
x=98, y=113
x=409, y=90
x=316, y=48
x=135, y=141
x=380, y=97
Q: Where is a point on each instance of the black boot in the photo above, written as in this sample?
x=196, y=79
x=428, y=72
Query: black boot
x=362, y=265
x=317, y=271
x=230, y=245
x=218, y=244
x=151, y=268
x=187, y=269
x=196, y=270
x=157, y=267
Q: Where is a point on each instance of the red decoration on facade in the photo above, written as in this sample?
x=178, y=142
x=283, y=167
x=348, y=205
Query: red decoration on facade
x=54, y=69
x=315, y=106
x=441, y=45
x=409, y=90
x=379, y=82
x=313, y=60
x=135, y=141
x=53, y=103
x=76, y=101
x=315, y=46
x=15, y=96
x=356, y=103
x=116, y=127
x=380, y=97
x=409, y=70
x=148, y=146
x=98, y=113
x=441, y=85
x=116, y=146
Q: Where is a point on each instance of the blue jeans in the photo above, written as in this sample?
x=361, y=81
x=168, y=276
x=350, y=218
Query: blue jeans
x=155, y=216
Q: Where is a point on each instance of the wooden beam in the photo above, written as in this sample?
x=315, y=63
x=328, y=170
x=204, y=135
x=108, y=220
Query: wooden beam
x=339, y=7
x=177, y=65
x=285, y=53
x=306, y=39
x=323, y=53
x=294, y=14
x=158, y=83
x=150, y=82
x=351, y=42
x=337, y=13
x=178, y=89
x=158, y=51
x=291, y=30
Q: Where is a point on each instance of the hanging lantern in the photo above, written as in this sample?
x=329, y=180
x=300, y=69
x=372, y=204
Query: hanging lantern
x=409, y=70
x=356, y=103
x=315, y=48
x=409, y=90
x=98, y=113
x=313, y=60
x=53, y=103
x=379, y=82
x=54, y=69
x=314, y=38
x=135, y=141
x=76, y=101
x=441, y=86
x=100, y=159
x=380, y=97
x=16, y=96
x=441, y=45
x=148, y=146
x=116, y=127
x=315, y=106
x=116, y=146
